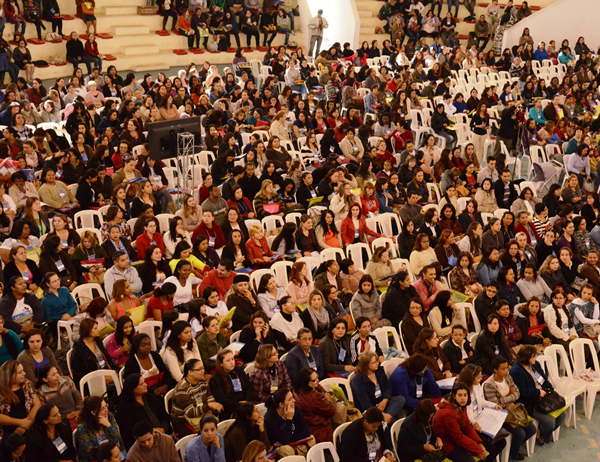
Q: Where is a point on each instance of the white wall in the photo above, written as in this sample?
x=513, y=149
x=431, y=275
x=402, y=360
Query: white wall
x=568, y=19
x=342, y=16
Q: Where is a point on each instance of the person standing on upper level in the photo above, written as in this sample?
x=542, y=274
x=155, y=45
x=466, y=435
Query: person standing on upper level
x=316, y=26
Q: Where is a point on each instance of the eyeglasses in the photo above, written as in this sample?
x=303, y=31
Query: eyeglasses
x=198, y=370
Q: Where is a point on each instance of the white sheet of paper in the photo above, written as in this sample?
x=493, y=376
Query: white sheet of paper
x=446, y=384
x=491, y=421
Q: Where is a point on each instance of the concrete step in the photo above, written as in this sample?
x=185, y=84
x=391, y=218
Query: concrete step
x=365, y=13
x=374, y=21
x=138, y=30
x=371, y=5
x=141, y=50
x=119, y=10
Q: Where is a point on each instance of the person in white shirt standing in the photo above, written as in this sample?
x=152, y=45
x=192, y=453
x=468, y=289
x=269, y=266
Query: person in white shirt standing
x=316, y=26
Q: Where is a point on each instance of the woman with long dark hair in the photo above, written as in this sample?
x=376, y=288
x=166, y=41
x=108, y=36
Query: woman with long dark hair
x=248, y=428
x=119, y=342
x=137, y=404
x=95, y=420
x=490, y=343
x=181, y=347
x=45, y=436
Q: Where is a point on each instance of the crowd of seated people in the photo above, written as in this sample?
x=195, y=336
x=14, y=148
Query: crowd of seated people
x=380, y=227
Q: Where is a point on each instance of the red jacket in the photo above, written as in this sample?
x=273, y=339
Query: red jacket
x=221, y=284
x=317, y=411
x=519, y=228
x=369, y=205
x=91, y=49
x=232, y=203
x=215, y=232
x=348, y=230
x=399, y=139
x=143, y=242
x=258, y=251
x=452, y=425
x=387, y=155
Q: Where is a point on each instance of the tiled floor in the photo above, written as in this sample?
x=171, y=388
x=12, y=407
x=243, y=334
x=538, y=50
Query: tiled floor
x=575, y=444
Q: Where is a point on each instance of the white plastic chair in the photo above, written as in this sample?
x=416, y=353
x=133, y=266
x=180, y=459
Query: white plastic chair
x=235, y=336
x=317, y=452
x=257, y=275
x=562, y=377
x=394, y=432
x=331, y=254
x=163, y=221
x=68, y=326
x=68, y=359
x=300, y=458
x=181, y=445
x=249, y=369
x=577, y=352
x=354, y=252
x=312, y=263
x=85, y=293
x=85, y=219
x=272, y=222
x=224, y=425
x=382, y=336
x=387, y=243
x=337, y=435
x=385, y=223
x=149, y=327
x=293, y=217
x=390, y=365
x=340, y=382
x=402, y=336
x=280, y=270
x=96, y=382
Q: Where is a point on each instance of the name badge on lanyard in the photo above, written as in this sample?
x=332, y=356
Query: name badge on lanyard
x=419, y=390
x=313, y=193
x=211, y=241
x=372, y=452
x=60, y=266
x=497, y=350
x=377, y=391
x=312, y=363
x=62, y=194
x=342, y=355
x=237, y=385
x=566, y=328
x=84, y=156
x=65, y=242
x=25, y=275
x=274, y=386
x=538, y=378
x=60, y=445
x=440, y=364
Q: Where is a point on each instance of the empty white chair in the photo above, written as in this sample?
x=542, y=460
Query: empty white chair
x=382, y=334
x=577, y=352
x=224, y=425
x=96, y=382
x=332, y=253
x=85, y=293
x=163, y=220
x=386, y=242
x=340, y=382
x=355, y=253
x=317, y=452
x=272, y=222
x=85, y=219
x=181, y=445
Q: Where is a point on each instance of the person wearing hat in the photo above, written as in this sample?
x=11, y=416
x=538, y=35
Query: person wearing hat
x=316, y=26
x=243, y=298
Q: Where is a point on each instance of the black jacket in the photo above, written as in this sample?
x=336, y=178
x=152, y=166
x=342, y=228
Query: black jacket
x=74, y=48
x=250, y=186
x=524, y=324
x=83, y=360
x=330, y=354
x=41, y=448
x=454, y=354
x=499, y=190
x=411, y=440
x=224, y=394
x=484, y=306
x=485, y=350
x=303, y=195
x=396, y=303
x=129, y=412
x=353, y=447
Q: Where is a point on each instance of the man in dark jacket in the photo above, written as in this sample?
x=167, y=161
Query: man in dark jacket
x=484, y=303
x=555, y=111
x=458, y=349
x=505, y=190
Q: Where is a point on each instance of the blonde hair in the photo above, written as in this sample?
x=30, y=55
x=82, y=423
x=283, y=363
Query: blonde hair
x=262, y=356
x=364, y=360
x=91, y=236
x=254, y=229
x=568, y=184
x=263, y=187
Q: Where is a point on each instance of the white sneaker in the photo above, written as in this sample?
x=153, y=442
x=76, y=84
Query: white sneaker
x=293, y=32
